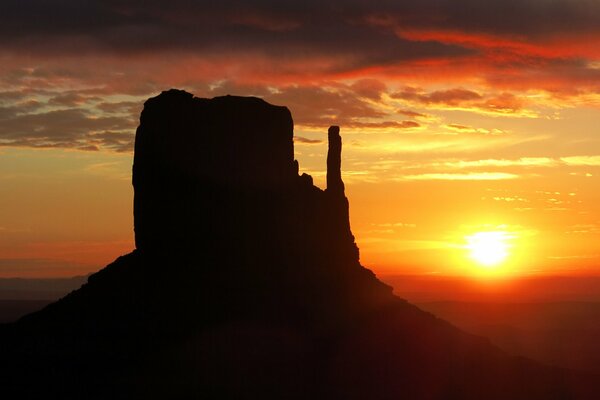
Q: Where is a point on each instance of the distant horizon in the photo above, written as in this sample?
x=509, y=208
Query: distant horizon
x=414, y=288
x=35, y=268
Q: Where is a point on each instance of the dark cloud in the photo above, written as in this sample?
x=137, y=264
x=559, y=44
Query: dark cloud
x=296, y=30
x=121, y=107
x=411, y=114
x=353, y=105
x=503, y=103
x=17, y=102
x=69, y=99
x=369, y=88
x=57, y=124
x=525, y=18
x=117, y=141
x=136, y=26
x=302, y=41
x=460, y=127
x=449, y=97
x=226, y=87
x=304, y=140
x=10, y=96
x=324, y=106
x=66, y=128
x=80, y=120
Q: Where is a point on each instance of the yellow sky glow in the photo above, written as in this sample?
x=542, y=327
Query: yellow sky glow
x=447, y=131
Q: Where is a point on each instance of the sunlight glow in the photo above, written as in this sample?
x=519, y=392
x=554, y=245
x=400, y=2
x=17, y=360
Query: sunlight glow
x=488, y=249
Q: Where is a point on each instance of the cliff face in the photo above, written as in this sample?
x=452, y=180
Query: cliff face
x=218, y=177
x=186, y=146
x=246, y=284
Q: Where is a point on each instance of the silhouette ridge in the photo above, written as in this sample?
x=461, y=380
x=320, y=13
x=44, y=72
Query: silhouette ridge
x=246, y=283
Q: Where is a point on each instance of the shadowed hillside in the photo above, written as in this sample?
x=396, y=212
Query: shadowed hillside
x=246, y=283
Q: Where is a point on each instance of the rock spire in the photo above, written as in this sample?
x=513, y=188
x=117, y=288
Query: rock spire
x=334, y=161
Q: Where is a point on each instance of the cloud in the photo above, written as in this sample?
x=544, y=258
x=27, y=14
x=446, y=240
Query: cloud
x=460, y=98
x=290, y=30
x=384, y=124
x=470, y=176
x=322, y=106
x=463, y=170
x=121, y=107
x=470, y=129
x=526, y=43
x=85, y=120
x=68, y=128
x=68, y=99
x=117, y=141
x=369, y=88
x=364, y=66
x=152, y=19
x=588, y=161
x=300, y=139
x=510, y=199
x=520, y=162
x=451, y=97
x=411, y=114
x=584, y=228
x=459, y=127
x=504, y=103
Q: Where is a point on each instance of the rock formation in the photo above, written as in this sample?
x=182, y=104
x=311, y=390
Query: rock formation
x=186, y=146
x=246, y=283
x=334, y=162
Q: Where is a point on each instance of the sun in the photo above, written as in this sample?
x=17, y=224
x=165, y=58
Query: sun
x=488, y=249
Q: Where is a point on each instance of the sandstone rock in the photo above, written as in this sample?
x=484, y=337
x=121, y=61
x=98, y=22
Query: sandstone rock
x=334, y=162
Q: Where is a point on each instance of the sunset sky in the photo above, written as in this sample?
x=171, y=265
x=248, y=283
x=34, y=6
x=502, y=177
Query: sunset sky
x=458, y=118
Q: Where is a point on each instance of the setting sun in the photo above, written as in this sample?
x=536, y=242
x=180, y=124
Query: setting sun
x=488, y=249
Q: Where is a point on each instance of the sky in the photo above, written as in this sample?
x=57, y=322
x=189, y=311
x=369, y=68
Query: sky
x=460, y=120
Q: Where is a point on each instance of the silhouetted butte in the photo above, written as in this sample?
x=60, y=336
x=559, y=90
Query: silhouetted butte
x=246, y=283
